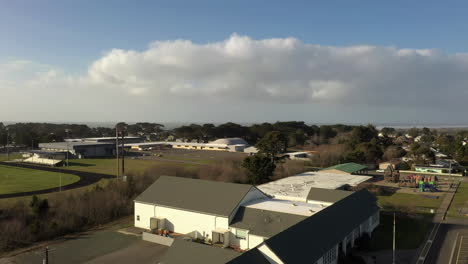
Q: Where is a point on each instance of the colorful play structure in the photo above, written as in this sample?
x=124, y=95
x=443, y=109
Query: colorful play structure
x=423, y=183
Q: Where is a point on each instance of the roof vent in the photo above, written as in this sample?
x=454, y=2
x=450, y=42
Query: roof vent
x=294, y=204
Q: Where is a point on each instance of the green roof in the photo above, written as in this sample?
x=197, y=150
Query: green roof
x=211, y=197
x=349, y=167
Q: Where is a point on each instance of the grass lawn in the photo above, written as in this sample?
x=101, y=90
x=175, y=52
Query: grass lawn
x=460, y=200
x=3, y=157
x=191, y=159
x=416, y=201
x=108, y=166
x=410, y=232
x=13, y=180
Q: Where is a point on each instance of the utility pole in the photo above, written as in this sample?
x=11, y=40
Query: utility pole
x=117, y=150
x=46, y=256
x=394, y=231
x=7, y=149
x=123, y=154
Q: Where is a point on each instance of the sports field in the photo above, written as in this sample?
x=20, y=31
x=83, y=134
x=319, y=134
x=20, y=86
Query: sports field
x=14, y=180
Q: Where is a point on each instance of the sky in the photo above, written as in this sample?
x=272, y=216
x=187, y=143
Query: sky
x=395, y=62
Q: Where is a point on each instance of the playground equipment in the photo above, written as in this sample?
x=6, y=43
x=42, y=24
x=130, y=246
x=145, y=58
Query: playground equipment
x=423, y=183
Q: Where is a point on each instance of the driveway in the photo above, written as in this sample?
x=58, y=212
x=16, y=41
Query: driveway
x=98, y=247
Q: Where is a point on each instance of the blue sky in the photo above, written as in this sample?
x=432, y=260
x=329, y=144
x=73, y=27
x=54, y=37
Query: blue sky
x=73, y=33
x=67, y=37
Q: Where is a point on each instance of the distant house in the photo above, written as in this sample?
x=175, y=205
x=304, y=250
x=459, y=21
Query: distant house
x=346, y=168
x=298, y=155
x=223, y=144
x=394, y=163
x=433, y=169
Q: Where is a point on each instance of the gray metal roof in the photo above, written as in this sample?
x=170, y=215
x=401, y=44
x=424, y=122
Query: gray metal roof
x=253, y=256
x=316, y=235
x=264, y=223
x=327, y=195
x=183, y=252
x=217, y=198
x=71, y=145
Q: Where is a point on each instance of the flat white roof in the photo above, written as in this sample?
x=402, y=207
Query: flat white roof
x=176, y=144
x=284, y=206
x=298, y=187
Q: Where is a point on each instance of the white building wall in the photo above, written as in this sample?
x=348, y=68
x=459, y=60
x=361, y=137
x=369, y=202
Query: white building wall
x=177, y=220
x=238, y=242
x=143, y=212
x=325, y=204
x=183, y=222
x=255, y=240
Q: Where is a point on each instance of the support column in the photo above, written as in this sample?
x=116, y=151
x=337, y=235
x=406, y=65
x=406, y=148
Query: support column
x=343, y=246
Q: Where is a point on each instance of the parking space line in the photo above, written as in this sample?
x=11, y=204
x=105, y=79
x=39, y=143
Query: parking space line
x=460, y=249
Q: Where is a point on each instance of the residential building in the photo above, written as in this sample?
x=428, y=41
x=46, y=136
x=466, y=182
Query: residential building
x=346, y=168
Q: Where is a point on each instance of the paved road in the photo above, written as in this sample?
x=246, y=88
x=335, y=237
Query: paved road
x=86, y=178
x=446, y=245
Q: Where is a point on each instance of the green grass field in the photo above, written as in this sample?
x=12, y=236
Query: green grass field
x=108, y=166
x=460, y=200
x=5, y=157
x=13, y=180
x=416, y=201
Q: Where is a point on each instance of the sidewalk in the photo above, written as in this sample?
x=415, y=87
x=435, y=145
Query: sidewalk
x=441, y=212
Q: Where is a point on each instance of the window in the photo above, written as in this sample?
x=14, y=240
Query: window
x=138, y=218
x=241, y=234
x=330, y=256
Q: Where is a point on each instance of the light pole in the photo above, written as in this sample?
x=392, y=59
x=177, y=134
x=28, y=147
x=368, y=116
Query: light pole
x=8, y=150
x=394, y=231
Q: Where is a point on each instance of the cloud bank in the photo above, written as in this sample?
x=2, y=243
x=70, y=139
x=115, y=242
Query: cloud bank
x=241, y=70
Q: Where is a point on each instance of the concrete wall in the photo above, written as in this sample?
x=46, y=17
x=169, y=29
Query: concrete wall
x=165, y=241
x=144, y=212
x=183, y=222
x=179, y=221
x=255, y=240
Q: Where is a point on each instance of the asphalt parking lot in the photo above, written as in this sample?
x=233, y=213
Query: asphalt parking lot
x=460, y=252
x=450, y=245
x=98, y=247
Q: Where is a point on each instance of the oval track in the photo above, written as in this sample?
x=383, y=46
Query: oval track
x=86, y=178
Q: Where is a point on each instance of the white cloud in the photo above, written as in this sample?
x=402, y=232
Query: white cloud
x=282, y=70
x=241, y=69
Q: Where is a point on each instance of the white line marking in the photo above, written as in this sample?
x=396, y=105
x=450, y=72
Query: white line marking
x=459, y=248
x=453, y=248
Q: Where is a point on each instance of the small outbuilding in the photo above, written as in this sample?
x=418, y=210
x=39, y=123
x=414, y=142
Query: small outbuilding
x=347, y=168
